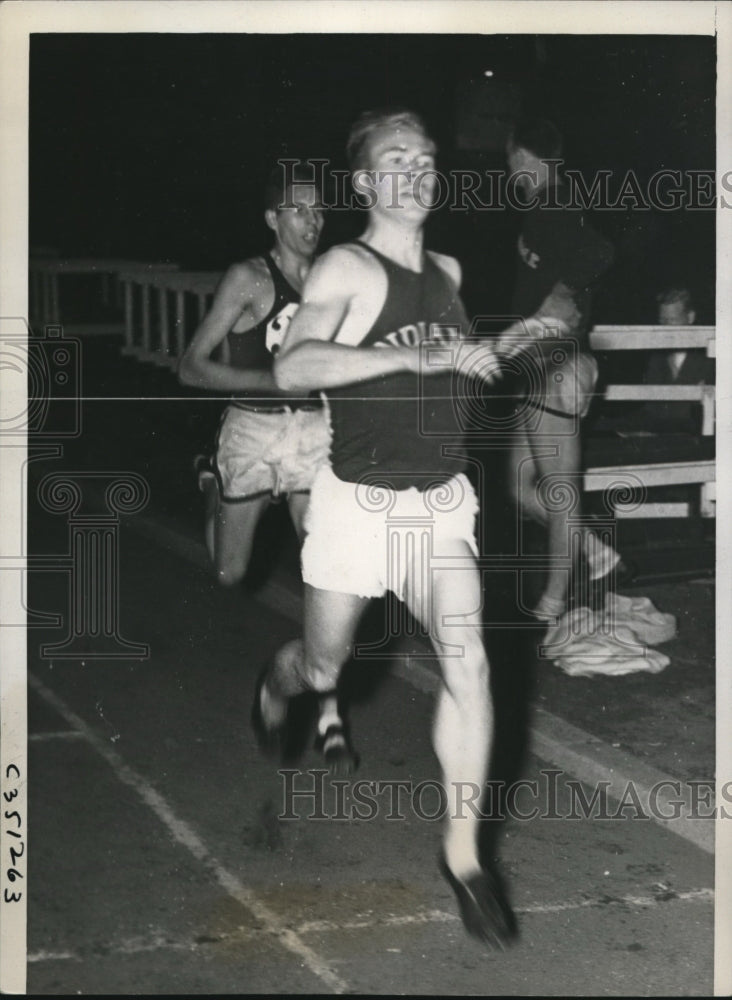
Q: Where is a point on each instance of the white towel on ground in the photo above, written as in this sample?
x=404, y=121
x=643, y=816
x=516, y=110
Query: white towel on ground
x=613, y=641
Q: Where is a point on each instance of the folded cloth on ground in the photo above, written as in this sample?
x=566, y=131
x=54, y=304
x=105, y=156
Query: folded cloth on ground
x=613, y=641
x=641, y=616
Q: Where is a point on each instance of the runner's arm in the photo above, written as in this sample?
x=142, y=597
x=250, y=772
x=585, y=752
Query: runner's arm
x=309, y=357
x=476, y=357
x=233, y=296
x=557, y=313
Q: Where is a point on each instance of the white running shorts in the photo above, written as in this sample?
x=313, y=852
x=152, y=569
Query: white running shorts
x=365, y=540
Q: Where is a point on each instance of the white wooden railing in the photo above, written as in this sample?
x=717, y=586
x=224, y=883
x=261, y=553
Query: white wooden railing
x=162, y=310
x=47, y=271
x=624, y=481
x=162, y=306
x=651, y=338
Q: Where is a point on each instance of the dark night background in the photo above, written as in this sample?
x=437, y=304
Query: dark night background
x=155, y=146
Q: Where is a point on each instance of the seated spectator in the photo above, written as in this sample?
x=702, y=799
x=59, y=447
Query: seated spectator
x=686, y=367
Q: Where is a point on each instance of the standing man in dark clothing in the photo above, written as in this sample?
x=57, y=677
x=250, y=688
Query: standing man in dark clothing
x=560, y=255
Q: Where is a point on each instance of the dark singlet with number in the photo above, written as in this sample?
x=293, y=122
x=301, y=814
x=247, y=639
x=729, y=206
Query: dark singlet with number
x=403, y=429
x=254, y=349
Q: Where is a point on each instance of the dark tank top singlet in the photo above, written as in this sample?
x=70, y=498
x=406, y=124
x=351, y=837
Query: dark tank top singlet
x=254, y=349
x=404, y=429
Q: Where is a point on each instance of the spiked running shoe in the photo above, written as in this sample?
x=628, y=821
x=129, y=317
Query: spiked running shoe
x=484, y=907
x=335, y=745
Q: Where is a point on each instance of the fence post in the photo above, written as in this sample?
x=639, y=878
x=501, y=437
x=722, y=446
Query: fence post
x=180, y=333
x=164, y=338
x=145, y=318
x=129, y=347
x=709, y=394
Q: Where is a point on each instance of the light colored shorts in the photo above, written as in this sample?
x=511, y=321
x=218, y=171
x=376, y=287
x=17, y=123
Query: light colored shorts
x=569, y=383
x=260, y=452
x=363, y=540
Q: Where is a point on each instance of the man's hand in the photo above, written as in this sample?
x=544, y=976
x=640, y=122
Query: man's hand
x=559, y=309
x=477, y=359
x=557, y=315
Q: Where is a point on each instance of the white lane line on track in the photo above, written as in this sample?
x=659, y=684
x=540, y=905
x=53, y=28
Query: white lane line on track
x=184, y=834
x=63, y=734
x=439, y=916
x=53, y=956
x=555, y=741
x=668, y=896
x=159, y=941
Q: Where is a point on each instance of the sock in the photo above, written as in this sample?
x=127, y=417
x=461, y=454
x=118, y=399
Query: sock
x=460, y=849
x=328, y=715
x=550, y=607
x=601, y=558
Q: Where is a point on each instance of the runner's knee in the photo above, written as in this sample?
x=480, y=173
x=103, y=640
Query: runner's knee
x=465, y=669
x=522, y=478
x=517, y=489
x=230, y=574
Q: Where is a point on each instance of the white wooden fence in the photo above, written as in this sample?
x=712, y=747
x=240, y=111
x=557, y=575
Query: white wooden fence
x=162, y=307
x=623, y=481
x=47, y=271
x=161, y=311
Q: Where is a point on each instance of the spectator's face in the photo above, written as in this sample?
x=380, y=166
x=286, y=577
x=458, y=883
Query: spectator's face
x=516, y=157
x=520, y=159
x=675, y=314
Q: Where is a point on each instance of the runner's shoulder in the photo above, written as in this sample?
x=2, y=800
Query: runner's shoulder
x=245, y=280
x=343, y=269
x=244, y=272
x=450, y=265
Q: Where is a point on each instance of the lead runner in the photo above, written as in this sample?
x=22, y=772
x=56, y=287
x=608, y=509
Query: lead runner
x=396, y=454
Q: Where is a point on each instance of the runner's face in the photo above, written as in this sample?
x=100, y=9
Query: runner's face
x=404, y=161
x=298, y=227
